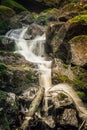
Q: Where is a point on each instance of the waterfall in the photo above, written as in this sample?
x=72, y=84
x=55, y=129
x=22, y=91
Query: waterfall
x=33, y=51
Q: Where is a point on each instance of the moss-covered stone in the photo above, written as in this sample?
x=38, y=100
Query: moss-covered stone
x=82, y=95
x=80, y=81
x=4, y=125
x=62, y=96
x=14, y=5
x=79, y=18
x=74, y=6
x=5, y=14
x=78, y=47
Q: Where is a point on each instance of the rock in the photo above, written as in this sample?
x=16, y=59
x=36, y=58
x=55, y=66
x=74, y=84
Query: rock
x=9, y=104
x=59, y=33
x=4, y=22
x=35, y=30
x=12, y=59
x=66, y=13
x=23, y=18
x=17, y=79
x=4, y=125
x=61, y=72
x=14, y=5
x=7, y=44
x=69, y=118
x=78, y=47
x=47, y=16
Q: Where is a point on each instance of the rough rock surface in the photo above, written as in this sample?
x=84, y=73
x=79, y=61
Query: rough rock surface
x=78, y=47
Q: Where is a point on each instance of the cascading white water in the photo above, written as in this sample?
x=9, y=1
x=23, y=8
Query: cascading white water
x=33, y=51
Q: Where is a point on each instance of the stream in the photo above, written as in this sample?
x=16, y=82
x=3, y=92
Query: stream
x=34, y=51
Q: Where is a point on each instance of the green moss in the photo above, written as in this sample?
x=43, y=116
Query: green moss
x=68, y=7
x=79, y=39
x=3, y=68
x=80, y=81
x=3, y=120
x=3, y=97
x=5, y=14
x=1, y=38
x=14, y=5
x=42, y=19
x=30, y=78
x=82, y=95
x=73, y=1
x=62, y=78
x=51, y=11
x=79, y=18
x=62, y=96
x=85, y=7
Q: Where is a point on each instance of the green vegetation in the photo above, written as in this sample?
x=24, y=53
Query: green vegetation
x=85, y=7
x=30, y=78
x=4, y=125
x=74, y=1
x=79, y=18
x=14, y=5
x=62, y=96
x=79, y=39
x=42, y=19
x=3, y=68
x=51, y=11
x=82, y=95
x=80, y=82
x=68, y=7
x=62, y=78
x=5, y=14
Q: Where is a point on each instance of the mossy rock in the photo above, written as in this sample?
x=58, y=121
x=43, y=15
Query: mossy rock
x=8, y=109
x=79, y=18
x=4, y=125
x=5, y=14
x=16, y=79
x=74, y=6
x=82, y=95
x=14, y=5
x=62, y=96
x=78, y=47
x=80, y=81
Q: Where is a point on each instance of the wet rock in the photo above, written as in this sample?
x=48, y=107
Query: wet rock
x=24, y=18
x=35, y=30
x=7, y=44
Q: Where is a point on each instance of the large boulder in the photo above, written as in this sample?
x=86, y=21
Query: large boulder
x=17, y=79
x=59, y=33
x=78, y=47
x=23, y=18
